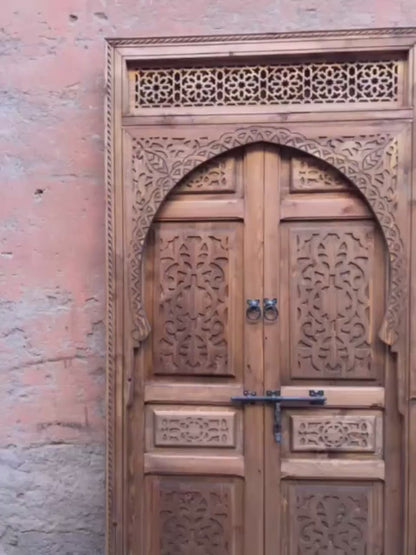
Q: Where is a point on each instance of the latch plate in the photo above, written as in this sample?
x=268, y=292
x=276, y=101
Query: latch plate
x=316, y=398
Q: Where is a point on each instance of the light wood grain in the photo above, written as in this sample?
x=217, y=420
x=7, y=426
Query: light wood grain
x=193, y=464
x=201, y=210
x=332, y=470
x=196, y=394
x=339, y=207
x=347, y=396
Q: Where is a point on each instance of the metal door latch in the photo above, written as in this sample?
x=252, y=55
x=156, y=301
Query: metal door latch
x=315, y=397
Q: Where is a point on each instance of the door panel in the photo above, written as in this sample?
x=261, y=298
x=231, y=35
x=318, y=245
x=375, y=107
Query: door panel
x=331, y=431
x=332, y=517
x=331, y=271
x=191, y=515
x=198, y=308
x=332, y=478
x=260, y=223
x=203, y=481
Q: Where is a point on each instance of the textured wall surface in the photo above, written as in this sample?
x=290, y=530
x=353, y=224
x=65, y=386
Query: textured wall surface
x=52, y=274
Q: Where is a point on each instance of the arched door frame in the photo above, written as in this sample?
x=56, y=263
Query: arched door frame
x=370, y=163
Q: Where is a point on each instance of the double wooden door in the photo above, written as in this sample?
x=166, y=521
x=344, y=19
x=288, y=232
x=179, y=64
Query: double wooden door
x=208, y=476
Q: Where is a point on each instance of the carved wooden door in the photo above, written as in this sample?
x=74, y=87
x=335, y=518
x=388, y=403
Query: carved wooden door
x=261, y=223
x=336, y=472
x=204, y=479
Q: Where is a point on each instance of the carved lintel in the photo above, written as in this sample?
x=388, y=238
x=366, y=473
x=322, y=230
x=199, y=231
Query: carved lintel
x=285, y=35
x=368, y=161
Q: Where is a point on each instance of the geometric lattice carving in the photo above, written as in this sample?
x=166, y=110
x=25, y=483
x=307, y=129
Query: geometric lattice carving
x=266, y=84
x=195, y=518
x=331, y=519
x=186, y=428
x=193, y=306
x=334, y=433
x=216, y=176
x=309, y=174
x=330, y=302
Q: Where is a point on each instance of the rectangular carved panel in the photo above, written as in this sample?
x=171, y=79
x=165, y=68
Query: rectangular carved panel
x=194, y=428
x=330, y=301
x=342, y=82
x=195, y=516
x=215, y=176
x=331, y=518
x=311, y=175
x=197, y=299
x=336, y=432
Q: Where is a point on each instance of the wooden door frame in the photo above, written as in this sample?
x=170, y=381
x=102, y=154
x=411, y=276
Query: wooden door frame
x=161, y=161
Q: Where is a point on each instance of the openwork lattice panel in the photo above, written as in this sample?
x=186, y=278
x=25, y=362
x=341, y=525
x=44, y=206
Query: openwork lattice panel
x=269, y=84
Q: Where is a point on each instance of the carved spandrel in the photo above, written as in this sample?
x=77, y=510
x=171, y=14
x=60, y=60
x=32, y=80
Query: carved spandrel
x=312, y=175
x=331, y=519
x=330, y=302
x=194, y=265
x=195, y=518
x=216, y=176
x=182, y=428
x=342, y=433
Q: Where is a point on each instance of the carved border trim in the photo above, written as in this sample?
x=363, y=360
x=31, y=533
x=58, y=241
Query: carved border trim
x=159, y=163
x=350, y=33
x=110, y=331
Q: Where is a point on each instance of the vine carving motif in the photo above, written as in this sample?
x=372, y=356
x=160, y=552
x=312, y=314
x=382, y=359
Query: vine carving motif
x=331, y=305
x=195, y=520
x=192, y=323
x=368, y=161
x=332, y=522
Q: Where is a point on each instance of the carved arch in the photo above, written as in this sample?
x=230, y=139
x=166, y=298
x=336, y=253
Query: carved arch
x=369, y=162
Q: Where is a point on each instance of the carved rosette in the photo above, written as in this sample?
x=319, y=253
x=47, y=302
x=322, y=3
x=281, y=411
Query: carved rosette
x=369, y=161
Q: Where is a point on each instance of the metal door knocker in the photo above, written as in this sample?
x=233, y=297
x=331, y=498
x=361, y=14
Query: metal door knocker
x=253, y=312
x=270, y=312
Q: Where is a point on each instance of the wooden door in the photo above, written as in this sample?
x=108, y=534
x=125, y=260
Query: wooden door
x=264, y=222
x=203, y=480
x=335, y=478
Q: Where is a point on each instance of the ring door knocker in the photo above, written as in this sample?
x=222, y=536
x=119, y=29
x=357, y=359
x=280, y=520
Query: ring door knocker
x=270, y=311
x=253, y=311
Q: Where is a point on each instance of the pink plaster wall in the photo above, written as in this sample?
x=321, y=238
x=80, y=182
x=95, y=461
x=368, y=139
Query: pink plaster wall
x=52, y=240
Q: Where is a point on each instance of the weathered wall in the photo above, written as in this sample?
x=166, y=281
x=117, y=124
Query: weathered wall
x=52, y=271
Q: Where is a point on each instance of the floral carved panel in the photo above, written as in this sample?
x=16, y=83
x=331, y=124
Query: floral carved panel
x=332, y=271
x=194, y=303
x=195, y=518
x=331, y=519
x=370, y=162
